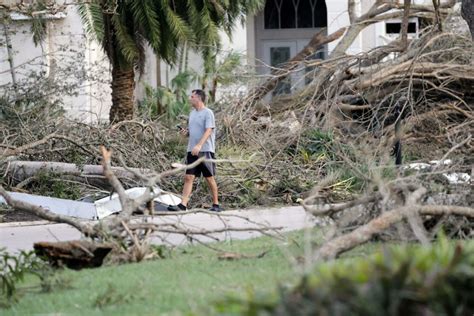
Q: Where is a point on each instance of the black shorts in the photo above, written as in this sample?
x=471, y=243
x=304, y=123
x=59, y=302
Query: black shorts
x=206, y=168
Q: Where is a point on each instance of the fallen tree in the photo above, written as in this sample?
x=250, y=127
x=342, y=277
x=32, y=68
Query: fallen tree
x=126, y=236
x=21, y=172
x=416, y=92
x=412, y=210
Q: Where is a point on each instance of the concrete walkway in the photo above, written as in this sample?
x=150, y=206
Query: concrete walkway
x=22, y=235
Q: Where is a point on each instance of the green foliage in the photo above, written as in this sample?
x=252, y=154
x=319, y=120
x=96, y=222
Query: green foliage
x=317, y=143
x=32, y=102
x=174, y=147
x=14, y=269
x=38, y=22
x=38, y=95
x=49, y=184
x=434, y=280
x=223, y=72
x=349, y=178
x=186, y=282
x=53, y=280
x=171, y=102
x=124, y=27
x=248, y=194
x=288, y=183
x=161, y=251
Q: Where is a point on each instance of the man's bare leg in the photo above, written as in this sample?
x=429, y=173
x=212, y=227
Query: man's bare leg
x=187, y=188
x=211, y=181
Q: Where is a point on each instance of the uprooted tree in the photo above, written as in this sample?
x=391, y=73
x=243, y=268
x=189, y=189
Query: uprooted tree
x=416, y=92
x=127, y=237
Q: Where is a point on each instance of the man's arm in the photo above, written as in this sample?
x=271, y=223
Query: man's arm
x=195, y=151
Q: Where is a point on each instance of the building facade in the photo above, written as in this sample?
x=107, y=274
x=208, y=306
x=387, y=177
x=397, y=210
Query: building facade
x=270, y=38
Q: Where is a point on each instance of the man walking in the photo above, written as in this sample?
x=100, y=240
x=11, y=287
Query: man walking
x=201, y=143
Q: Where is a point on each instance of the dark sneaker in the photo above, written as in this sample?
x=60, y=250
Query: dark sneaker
x=177, y=208
x=216, y=208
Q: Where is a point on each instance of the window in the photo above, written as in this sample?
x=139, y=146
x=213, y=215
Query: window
x=395, y=27
x=279, y=56
x=288, y=14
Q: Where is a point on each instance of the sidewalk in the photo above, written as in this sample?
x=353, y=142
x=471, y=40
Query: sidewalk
x=22, y=235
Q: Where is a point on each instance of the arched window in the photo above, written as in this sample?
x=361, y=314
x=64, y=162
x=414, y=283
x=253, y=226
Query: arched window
x=294, y=14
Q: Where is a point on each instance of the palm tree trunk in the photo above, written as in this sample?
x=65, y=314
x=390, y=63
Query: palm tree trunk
x=123, y=85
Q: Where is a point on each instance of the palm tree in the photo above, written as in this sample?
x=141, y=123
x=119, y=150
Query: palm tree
x=124, y=27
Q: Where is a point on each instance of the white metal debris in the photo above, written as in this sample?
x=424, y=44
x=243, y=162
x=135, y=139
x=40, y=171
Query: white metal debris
x=457, y=177
x=417, y=166
x=452, y=177
x=92, y=210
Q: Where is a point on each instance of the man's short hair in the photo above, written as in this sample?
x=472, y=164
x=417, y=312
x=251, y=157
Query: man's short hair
x=201, y=94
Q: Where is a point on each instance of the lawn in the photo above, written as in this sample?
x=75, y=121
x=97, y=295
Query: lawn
x=188, y=281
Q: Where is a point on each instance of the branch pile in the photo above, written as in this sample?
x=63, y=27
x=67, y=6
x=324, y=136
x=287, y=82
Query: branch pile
x=358, y=110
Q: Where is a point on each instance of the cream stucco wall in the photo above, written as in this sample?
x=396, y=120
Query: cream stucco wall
x=64, y=46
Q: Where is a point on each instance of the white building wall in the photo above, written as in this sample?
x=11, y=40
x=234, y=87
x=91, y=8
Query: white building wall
x=23, y=50
x=65, y=46
x=338, y=17
x=93, y=100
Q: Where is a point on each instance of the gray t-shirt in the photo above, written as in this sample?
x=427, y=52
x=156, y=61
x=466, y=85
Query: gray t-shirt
x=198, y=122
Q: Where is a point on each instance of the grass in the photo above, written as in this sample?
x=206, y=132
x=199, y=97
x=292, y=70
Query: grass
x=188, y=282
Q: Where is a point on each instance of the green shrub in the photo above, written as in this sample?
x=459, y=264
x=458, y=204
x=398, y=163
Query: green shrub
x=434, y=280
x=171, y=102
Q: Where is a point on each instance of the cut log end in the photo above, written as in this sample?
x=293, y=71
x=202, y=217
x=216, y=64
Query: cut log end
x=75, y=254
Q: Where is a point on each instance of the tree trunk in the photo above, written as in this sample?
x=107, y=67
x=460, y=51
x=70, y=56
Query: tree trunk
x=74, y=254
x=6, y=22
x=21, y=170
x=123, y=85
x=467, y=12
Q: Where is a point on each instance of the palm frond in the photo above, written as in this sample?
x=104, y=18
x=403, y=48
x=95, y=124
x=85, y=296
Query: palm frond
x=38, y=28
x=125, y=41
x=147, y=21
x=125, y=26
x=93, y=19
x=178, y=25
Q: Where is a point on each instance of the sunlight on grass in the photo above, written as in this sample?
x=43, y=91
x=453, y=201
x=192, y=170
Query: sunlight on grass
x=187, y=282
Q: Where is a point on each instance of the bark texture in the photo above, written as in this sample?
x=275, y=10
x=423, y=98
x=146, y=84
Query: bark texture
x=123, y=85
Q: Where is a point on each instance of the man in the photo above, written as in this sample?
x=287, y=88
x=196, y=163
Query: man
x=201, y=143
